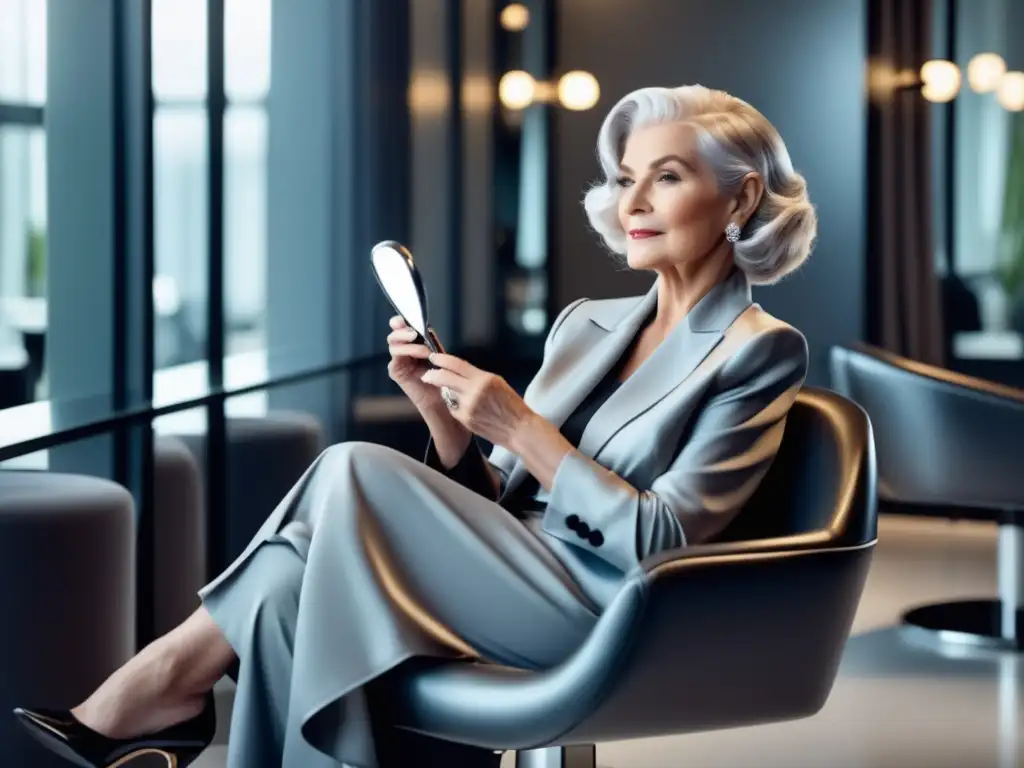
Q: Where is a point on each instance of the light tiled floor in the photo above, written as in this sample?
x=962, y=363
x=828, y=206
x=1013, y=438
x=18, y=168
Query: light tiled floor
x=893, y=705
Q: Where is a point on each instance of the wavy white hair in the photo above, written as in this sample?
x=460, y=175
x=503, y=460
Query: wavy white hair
x=734, y=139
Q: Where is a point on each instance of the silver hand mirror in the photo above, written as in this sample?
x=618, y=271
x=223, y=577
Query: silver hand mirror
x=398, y=277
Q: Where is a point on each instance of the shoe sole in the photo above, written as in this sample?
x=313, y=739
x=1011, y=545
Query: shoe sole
x=52, y=742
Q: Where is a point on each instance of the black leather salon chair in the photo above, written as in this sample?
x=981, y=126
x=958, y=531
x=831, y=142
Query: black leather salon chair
x=743, y=631
x=948, y=445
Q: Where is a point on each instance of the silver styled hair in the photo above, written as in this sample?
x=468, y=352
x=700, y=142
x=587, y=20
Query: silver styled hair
x=734, y=139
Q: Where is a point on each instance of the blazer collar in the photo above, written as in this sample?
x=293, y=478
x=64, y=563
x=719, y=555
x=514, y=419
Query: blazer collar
x=715, y=311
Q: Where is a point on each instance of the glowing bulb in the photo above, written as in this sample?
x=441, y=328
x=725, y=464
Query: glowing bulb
x=985, y=71
x=428, y=93
x=515, y=17
x=1011, y=91
x=941, y=80
x=578, y=90
x=516, y=89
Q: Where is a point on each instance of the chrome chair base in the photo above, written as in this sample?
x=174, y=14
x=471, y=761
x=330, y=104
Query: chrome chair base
x=576, y=756
x=977, y=624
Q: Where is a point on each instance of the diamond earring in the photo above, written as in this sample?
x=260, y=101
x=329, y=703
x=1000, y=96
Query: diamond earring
x=732, y=232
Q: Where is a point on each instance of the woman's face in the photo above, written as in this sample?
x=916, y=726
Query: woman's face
x=669, y=203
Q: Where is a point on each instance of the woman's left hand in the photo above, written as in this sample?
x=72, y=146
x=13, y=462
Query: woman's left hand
x=487, y=405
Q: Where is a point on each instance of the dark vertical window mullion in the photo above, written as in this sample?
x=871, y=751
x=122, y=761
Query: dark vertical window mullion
x=216, y=432
x=148, y=344
x=148, y=209
x=949, y=230
x=499, y=58
x=120, y=376
x=132, y=375
x=454, y=62
x=552, y=275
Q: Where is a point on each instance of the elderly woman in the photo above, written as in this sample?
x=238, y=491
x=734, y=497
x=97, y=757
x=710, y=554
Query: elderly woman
x=649, y=424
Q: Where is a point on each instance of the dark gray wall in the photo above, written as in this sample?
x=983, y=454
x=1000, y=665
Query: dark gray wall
x=801, y=62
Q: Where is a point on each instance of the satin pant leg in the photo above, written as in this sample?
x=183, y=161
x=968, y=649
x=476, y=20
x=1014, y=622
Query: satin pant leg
x=258, y=615
x=392, y=560
x=260, y=620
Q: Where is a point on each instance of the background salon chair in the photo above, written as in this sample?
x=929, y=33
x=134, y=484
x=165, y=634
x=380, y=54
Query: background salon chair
x=746, y=630
x=948, y=445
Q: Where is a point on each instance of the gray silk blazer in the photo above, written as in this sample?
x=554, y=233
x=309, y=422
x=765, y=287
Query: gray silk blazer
x=671, y=457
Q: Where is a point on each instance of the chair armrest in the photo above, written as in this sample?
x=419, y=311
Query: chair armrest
x=656, y=630
x=500, y=707
x=680, y=558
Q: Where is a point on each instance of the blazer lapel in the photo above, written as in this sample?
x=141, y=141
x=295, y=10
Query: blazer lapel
x=671, y=363
x=590, y=356
x=591, y=353
x=582, y=362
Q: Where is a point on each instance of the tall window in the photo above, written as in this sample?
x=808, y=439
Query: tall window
x=246, y=85
x=181, y=158
x=22, y=200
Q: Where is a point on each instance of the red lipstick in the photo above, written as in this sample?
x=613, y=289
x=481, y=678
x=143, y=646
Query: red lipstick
x=641, y=234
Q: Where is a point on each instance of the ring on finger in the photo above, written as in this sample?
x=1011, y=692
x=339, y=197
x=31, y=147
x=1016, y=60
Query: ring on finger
x=449, y=398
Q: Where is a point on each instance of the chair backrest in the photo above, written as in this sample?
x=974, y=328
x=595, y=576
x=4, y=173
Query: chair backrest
x=819, y=479
x=942, y=437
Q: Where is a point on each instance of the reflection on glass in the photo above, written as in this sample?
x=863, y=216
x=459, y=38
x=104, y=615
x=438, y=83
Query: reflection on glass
x=22, y=264
x=23, y=51
x=181, y=226
x=246, y=49
x=984, y=289
x=181, y=179
x=245, y=227
x=179, y=50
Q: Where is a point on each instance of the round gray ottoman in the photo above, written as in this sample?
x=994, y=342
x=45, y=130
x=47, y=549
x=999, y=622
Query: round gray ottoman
x=179, y=530
x=67, y=607
x=266, y=457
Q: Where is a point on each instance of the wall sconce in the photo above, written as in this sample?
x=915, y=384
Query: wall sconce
x=515, y=17
x=576, y=90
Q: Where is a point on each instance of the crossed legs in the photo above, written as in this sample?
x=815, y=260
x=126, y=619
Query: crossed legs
x=162, y=684
x=166, y=682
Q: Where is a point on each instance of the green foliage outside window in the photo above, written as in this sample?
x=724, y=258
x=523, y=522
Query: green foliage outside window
x=1011, y=267
x=35, y=261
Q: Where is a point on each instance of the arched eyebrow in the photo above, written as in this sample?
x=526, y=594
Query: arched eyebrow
x=661, y=161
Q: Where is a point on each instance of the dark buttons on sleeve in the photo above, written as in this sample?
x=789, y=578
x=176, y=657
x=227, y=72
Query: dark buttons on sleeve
x=582, y=530
x=595, y=538
x=572, y=521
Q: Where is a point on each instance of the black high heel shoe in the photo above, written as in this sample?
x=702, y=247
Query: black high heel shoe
x=60, y=732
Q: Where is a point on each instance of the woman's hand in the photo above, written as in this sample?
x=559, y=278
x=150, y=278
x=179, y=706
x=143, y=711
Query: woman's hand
x=408, y=364
x=487, y=405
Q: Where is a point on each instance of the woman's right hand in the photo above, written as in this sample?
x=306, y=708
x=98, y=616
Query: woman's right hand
x=409, y=363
